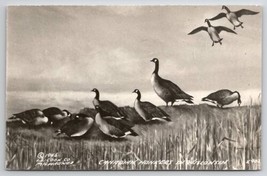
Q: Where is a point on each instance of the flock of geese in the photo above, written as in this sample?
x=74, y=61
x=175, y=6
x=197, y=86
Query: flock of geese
x=232, y=17
x=110, y=120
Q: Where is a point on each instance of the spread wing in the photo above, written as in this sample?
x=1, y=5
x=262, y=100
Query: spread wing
x=153, y=110
x=175, y=90
x=111, y=108
x=241, y=12
x=222, y=28
x=201, y=28
x=220, y=15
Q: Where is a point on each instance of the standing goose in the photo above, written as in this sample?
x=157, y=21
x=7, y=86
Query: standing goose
x=223, y=97
x=112, y=127
x=55, y=114
x=167, y=90
x=213, y=31
x=32, y=117
x=107, y=106
x=76, y=127
x=233, y=16
x=147, y=110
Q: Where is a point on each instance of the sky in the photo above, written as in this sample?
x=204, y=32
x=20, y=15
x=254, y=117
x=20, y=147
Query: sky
x=110, y=47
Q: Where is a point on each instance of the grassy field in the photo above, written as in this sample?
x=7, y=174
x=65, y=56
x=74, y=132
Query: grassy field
x=200, y=137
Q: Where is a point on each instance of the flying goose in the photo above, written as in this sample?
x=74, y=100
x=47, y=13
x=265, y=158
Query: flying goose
x=76, y=127
x=167, y=90
x=147, y=110
x=115, y=128
x=107, y=106
x=223, y=97
x=233, y=16
x=32, y=117
x=213, y=32
x=55, y=114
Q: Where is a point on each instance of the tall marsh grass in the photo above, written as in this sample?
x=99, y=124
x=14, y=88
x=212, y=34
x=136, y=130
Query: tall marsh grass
x=199, y=137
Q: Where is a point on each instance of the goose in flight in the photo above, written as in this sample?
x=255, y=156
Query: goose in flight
x=148, y=111
x=167, y=90
x=233, y=17
x=223, y=97
x=213, y=31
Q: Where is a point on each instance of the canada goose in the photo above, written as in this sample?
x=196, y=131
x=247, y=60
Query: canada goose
x=55, y=114
x=167, y=90
x=233, y=16
x=213, y=31
x=223, y=97
x=76, y=127
x=147, y=110
x=116, y=128
x=33, y=117
x=107, y=106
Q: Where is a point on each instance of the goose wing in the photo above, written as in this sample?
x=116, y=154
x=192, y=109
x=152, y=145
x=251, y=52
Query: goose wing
x=153, y=110
x=111, y=108
x=175, y=90
x=222, y=28
x=29, y=115
x=219, y=95
x=52, y=111
x=201, y=28
x=77, y=127
x=118, y=128
x=220, y=15
x=241, y=12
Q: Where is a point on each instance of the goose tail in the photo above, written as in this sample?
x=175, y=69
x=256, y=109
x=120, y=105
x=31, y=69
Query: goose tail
x=189, y=101
x=133, y=133
x=12, y=117
x=167, y=119
x=204, y=99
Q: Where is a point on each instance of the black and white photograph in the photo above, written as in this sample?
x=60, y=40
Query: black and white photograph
x=148, y=87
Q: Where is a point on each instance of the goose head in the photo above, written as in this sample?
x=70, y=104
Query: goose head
x=155, y=60
x=239, y=100
x=138, y=93
x=226, y=8
x=96, y=93
x=94, y=90
x=208, y=22
x=68, y=114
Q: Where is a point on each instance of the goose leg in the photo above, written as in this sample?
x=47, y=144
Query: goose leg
x=212, y=44
x=167, y=104
x=242, y=26
x=234, y=27
x=172, y=103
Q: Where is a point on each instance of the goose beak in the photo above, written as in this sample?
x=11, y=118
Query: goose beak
x=133, y=92
x=151, y=60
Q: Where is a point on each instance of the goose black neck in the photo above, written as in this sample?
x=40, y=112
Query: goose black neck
x=227, y=9
x=97, y=94
x=208, y=23
x=156, y=68
x=138, y=96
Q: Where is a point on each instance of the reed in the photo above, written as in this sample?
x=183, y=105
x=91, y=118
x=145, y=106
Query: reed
x=196, y=133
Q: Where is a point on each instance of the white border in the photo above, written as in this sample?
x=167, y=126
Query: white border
x=5, y=3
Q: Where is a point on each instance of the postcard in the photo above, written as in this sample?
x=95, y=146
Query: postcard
x=133, y=87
